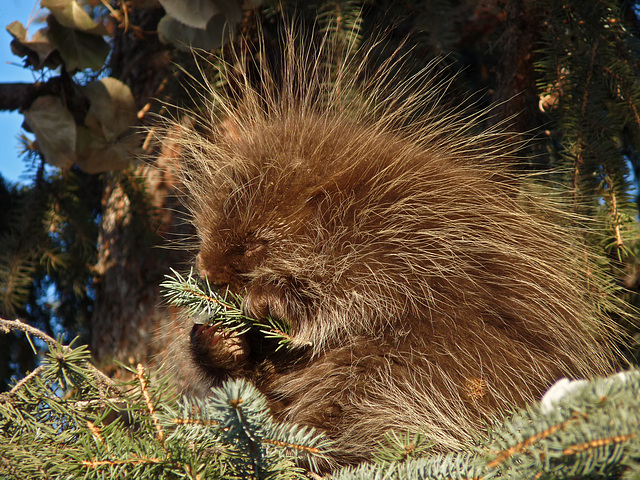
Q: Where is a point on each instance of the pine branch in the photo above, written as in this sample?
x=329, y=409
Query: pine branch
x=580, y=429
x=60, y=423
x=589, y=70
x=59, y=355
x=7, y=325
x=201, y=300
x=237, y=416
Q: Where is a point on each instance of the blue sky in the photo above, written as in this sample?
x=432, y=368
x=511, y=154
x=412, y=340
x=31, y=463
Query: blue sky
x=11, y=165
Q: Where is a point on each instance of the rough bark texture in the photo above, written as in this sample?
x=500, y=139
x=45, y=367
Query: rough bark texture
x=129, y=319
x=129, y=313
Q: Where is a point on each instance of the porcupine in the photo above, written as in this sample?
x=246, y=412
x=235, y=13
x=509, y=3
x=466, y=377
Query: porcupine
x=425, y=287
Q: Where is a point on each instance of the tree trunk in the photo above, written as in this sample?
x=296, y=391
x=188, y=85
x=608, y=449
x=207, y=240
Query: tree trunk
x=130, y=323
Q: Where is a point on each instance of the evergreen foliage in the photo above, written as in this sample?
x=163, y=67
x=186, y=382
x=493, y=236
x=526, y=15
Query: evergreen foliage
x=200, y=300
x=588, y=69
x=68, y=420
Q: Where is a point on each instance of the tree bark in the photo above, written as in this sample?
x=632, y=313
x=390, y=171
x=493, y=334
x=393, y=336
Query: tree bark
x=129, y=322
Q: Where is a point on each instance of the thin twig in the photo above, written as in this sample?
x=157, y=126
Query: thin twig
x=152, y=411
x=7, y=325
x=86, y=404
x=104, y=380
x=17, y=324
x=34, y=373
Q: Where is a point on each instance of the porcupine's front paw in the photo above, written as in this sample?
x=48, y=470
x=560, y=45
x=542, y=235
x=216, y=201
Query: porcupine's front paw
x=217, y=352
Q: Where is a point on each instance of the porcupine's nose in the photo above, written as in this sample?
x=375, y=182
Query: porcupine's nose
x=218, y=273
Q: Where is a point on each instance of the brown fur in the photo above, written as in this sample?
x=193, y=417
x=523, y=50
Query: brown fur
x=425, y=287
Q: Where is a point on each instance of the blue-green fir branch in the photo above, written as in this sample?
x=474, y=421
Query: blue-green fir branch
x=236, y=415
x=580, y=429
x=202, y=301
x=398, y=446
x=452, y=466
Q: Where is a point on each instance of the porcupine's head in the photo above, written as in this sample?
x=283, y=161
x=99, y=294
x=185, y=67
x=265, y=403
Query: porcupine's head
x=345, y=206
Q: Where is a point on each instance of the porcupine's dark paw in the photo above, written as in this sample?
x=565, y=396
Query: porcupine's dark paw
x=217, y=352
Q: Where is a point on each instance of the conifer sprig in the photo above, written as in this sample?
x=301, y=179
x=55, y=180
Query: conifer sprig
x=581, y=429
x=62, y=423
x=202, y=301
x=237, y=416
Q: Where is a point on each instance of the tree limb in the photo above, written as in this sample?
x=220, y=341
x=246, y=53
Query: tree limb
x=20, y=95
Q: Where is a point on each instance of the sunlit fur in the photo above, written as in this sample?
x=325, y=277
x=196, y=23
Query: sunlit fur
x=426, y=286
